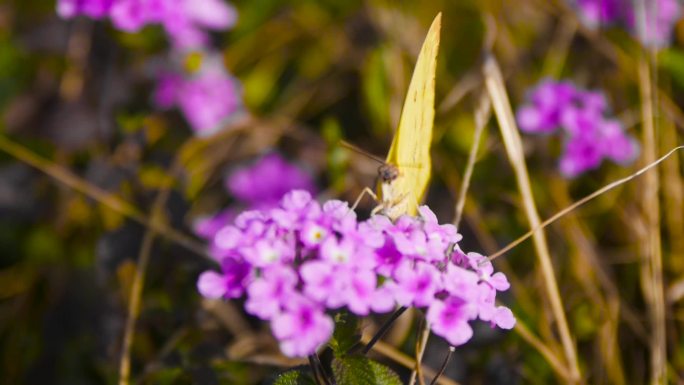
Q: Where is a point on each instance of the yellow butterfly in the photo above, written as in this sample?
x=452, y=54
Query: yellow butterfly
x=410, y=149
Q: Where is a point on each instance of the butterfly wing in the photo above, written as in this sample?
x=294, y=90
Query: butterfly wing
x=411, y=144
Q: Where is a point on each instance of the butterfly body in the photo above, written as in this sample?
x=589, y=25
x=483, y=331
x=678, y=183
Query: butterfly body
x=404, y=175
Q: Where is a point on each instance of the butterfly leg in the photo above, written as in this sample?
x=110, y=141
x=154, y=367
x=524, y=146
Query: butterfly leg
x=379, y=208
x=364, y=192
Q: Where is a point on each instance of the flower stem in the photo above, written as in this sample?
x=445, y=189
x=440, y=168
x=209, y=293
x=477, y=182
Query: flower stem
x=327, y=378
x=383, y=329
x=444, y=365
x=314, y=368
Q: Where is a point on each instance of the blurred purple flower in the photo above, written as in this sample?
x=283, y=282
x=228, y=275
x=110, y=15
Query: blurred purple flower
x=600, y=12
x=207, y=227
x=95, y=9
x=207, y=98
x=184, y=21
x=544, y=112
x=660, y=17
x=588, y=135
x=655, y=30
x=262, y=184
x=230, y=284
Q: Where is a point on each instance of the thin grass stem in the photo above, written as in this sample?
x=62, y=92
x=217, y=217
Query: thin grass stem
x=582, y=201
x=96, y=193
x=444, y=365
x=495, y=85
x=652, y=265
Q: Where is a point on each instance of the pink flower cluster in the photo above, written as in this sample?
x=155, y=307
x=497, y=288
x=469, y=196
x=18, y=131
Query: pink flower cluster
x=589, y=135
x=300, y=260
x=659, y=17
x=185, y=21
x=207, y=98
x=257, y=186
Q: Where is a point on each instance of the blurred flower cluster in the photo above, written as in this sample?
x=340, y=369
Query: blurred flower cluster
x=258, y=186
x=300, y=259
x=209, y=95
x=589, y=135
x=184, y=21
x=651, y=20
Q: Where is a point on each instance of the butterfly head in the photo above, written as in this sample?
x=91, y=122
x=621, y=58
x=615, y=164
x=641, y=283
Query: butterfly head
x=388, y=173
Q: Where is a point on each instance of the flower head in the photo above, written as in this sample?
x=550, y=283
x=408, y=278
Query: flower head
x=207, y=98
x=183, y=20
x=262, y=184
x=589, y=135
x=299, y=259
x=652, y=25
x=302, y=327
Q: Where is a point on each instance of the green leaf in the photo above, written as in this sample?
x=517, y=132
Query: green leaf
x=672, y=60
x=359, y=370
x=346, y=333
x=294, y=377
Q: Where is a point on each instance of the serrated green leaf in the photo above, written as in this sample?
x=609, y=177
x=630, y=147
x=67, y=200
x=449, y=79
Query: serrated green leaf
x=294, y=377
x=346, y=333
x=360, y=370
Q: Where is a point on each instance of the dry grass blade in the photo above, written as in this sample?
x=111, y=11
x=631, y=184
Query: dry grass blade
x=548, y=354
x=582, y=201
x=652, y=264
x=482, y=115
x=135, y=298
x=109, y=200
x=513, y=143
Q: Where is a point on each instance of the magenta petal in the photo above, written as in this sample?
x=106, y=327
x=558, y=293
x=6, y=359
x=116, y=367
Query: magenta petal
x=211, y=284
x=504, y=318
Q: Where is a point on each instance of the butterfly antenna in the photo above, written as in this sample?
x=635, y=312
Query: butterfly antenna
x=358, y=150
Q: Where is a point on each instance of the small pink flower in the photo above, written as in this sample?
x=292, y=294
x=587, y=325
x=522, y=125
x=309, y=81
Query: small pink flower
x=449, y=319
x=415, y=284
x=360, y=291
x=323, y=282
x=268, y=293
x=302, y=327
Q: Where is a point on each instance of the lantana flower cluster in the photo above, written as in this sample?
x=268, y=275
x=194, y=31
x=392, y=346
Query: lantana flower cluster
x=659, y=17
x=208, y=96
x=298, y=262
x=185, y=21
x=588, y=133
x=256, y=186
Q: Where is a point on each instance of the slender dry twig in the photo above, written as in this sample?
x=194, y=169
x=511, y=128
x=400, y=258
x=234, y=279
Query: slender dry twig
x=444, y=365
x=582, y=201
x=559, y=48
x=107, y=199
x=550, y=356
x=513, y=144
x=135, y=297
x=482, y=114
x=652, y=264
x=580, y=238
